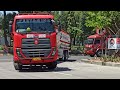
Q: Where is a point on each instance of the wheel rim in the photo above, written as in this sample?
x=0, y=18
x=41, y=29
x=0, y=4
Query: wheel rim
x=99, y=53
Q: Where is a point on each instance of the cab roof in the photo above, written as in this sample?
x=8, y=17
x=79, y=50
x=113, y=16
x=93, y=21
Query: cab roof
x=95, y=36
x=33, y=16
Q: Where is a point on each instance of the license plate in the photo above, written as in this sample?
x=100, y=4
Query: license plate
x=36, y=59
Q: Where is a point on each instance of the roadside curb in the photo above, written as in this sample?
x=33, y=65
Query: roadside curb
x=101, y=63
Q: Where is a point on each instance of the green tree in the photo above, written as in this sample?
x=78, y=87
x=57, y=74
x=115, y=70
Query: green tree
x=110, y=20
x=104, y=19
x=98, y=19
x=5, y=24
x=73, y=22
x=4, y=28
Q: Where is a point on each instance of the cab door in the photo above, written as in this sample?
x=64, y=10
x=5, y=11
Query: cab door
x=97, y=44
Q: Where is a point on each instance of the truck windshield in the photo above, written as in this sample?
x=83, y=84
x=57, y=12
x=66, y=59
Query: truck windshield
x=90, y=41
x=97, y=41
x=34, y=25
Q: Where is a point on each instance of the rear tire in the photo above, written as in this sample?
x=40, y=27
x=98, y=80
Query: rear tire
x=17, y=66
x=92, y=55
x=99, y=53
x=52, y=65
x=65, y=57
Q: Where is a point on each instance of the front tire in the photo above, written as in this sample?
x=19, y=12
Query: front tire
x=99, y=53
x=52, y=65
x=65, y=55
x=17, y=66
x=92, y=55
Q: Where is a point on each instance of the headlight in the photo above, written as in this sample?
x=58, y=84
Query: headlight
x=18, y=52
x=54, y=51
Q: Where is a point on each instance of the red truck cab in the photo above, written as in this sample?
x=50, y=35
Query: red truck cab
x=34, y=40
x=93, y=45
x=97, y=43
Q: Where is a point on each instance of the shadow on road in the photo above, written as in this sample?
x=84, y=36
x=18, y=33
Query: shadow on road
x=44, y=69
x=62, y=61
x=58, y=69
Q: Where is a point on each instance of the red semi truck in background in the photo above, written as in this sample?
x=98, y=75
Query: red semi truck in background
x=38, y=41
x=96, y=44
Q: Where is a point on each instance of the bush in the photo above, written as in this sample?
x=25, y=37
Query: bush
x=76, y=49
x=110, y=59
x=1, y=47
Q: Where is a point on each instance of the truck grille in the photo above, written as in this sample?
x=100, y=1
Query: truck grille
x=42, y=49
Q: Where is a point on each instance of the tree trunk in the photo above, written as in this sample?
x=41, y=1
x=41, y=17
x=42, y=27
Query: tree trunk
x=4, y=28
x=82, y=40
x=103, y=43
x=74, y=41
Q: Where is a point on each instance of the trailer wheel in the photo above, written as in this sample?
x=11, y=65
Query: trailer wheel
x=65, y=57
x=17, y=66
x=52, y=65
x=99, y=53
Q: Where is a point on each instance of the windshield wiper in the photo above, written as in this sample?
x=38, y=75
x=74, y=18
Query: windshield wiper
x=24, y=32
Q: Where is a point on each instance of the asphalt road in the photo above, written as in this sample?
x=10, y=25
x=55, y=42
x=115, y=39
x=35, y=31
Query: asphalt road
x=9, y=58
x=71, y=69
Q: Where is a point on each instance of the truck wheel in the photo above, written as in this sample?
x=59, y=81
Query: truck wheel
x=92, y=55
x=17, y=66
x=52, y=65
x=65, y=57
x=60, y=59
x=99, y=53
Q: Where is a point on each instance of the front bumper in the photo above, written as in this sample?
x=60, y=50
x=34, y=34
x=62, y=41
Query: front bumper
x=30, y=61
x=89, y=52
x=25, y=60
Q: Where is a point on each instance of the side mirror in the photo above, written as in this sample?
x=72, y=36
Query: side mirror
x=10, y=26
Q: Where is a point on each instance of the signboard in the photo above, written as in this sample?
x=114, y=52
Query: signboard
x=113, y=43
